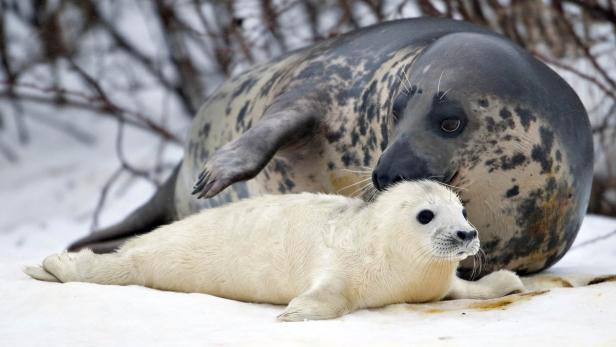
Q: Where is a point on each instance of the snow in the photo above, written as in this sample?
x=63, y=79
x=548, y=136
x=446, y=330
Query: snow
x=46, y=201
x=87, y=314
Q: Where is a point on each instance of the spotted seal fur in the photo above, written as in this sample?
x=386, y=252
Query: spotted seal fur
x=323, y=255
x=414, y=98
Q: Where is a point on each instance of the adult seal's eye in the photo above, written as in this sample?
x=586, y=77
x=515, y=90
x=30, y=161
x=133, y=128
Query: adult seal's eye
x=425, y=216
x=450, y=125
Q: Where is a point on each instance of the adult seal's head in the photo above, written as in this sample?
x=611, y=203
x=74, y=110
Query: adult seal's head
x=480, y=113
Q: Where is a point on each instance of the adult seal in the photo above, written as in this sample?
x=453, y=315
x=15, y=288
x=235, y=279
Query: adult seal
x=409, y=99
x=322, y=255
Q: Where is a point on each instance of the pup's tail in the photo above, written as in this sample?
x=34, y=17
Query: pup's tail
x=85, y=266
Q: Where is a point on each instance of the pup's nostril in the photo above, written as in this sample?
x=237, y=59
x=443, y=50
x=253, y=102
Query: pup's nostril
x=466, y=235
x=461, y=235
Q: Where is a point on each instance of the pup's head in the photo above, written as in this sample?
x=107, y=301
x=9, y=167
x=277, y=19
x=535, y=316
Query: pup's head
x=430, y=215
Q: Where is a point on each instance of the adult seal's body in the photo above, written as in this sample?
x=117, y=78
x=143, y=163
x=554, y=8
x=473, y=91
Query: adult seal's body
x=421, y=98
x=323, y=255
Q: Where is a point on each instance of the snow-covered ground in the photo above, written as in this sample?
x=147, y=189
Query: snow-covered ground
x=46, y=201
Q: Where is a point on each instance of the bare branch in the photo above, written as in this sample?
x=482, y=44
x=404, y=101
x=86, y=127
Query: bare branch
x=595, y=240
x=577, y=72
x=7, y=152
x=62, y=97
x=103, y=197
x=124, y=163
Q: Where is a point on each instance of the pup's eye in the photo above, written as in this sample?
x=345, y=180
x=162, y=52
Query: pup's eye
x=465, y=214
x=450, y=125
x=425, y=216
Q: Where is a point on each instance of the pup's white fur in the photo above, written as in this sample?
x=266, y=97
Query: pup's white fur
x=324, y=255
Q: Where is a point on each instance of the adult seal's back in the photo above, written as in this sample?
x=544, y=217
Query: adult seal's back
x=416, y=98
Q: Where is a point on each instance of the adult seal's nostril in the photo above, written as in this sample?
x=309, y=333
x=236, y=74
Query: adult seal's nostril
x=383, y=181
x=375, y=181
x=397, y=179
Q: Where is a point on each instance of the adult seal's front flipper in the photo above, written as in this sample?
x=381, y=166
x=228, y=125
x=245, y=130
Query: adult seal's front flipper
x=157, y=211
x=291, y=118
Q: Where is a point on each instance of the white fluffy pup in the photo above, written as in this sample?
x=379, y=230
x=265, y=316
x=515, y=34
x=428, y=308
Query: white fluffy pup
x=323, y=255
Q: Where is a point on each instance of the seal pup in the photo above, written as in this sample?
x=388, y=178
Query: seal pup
x=408, y=99
x=323, y=255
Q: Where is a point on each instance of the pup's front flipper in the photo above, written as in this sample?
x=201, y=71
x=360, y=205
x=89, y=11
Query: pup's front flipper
x=316, y=305
x=494, y=285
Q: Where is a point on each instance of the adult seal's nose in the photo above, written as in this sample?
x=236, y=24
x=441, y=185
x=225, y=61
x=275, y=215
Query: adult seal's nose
x=399, y=162
x=382, y=181
x=379, y=179
x=466, y=235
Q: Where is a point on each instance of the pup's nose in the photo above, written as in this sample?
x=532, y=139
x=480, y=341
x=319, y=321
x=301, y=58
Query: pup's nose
x=466, y=235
